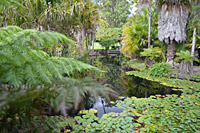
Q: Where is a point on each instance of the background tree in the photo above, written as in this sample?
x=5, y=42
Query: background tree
x=77, y=19
x=114, y=12
x=135, y=33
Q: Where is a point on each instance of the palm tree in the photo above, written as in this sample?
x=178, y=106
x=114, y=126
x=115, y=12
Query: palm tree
x=172, y=20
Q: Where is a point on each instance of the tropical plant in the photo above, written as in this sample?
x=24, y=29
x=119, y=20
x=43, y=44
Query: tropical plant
x=77, y=19
x=152, y=53
x=185, y=58
x=135, y=35
x=23, y=62
x=159, y=70
x=193, y=39
x=141, y=4
x=34, y=83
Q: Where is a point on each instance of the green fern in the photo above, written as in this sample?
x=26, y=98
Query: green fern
x=73, y=91
x=153, y=52
x=186, y=56
x=53, y=124
x=23, y=62
x=10, y=2
x=35, y=81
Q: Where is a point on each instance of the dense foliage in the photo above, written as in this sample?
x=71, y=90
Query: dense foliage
x=135, y=32
x=159, y=70
x=34, y=84
x=43, y=81
x=114, y=12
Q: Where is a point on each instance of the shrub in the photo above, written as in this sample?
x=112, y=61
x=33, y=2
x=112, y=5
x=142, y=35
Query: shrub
x=159, y=70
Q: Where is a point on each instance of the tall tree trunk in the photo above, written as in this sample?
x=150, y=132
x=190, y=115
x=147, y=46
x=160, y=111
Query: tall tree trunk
x=170, y=52
x=193, y=46
x=78, y=37
x=86, y=46
x=149, y=31
x=93, y=37
x=82, y=41
x=90, y=42
x=5, y=24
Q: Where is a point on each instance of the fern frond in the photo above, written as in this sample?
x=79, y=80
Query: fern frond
x=14, y=76
x=152, y=52
x=10, y=2
x=30, y=76
x=73, y=91
x=21, y=53
x=186, y=56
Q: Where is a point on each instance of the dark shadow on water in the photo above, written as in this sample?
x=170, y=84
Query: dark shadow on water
x=126, y=86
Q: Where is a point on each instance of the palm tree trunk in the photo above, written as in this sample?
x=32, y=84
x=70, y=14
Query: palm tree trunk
x=193, y=46
x=170, y=52
x=149, y=31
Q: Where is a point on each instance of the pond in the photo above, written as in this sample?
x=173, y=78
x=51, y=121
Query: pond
x=126, y=86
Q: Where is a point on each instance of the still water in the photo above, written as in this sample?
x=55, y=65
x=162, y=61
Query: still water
x=126, y=86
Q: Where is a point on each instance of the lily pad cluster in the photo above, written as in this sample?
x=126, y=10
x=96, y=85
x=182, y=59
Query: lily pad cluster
x=185, y=86
x=159, y=113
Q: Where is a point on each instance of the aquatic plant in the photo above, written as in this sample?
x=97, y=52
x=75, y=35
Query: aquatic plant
x=159, y=113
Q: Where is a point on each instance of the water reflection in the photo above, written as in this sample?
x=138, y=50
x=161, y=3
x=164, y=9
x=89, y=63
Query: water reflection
x=124, y=85
x=104, y=107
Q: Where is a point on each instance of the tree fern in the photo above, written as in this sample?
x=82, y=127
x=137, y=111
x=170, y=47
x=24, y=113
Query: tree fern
x=73, y=91
x=186, y=56
x=46, y=80
x=24, y=61
x=8, y=2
